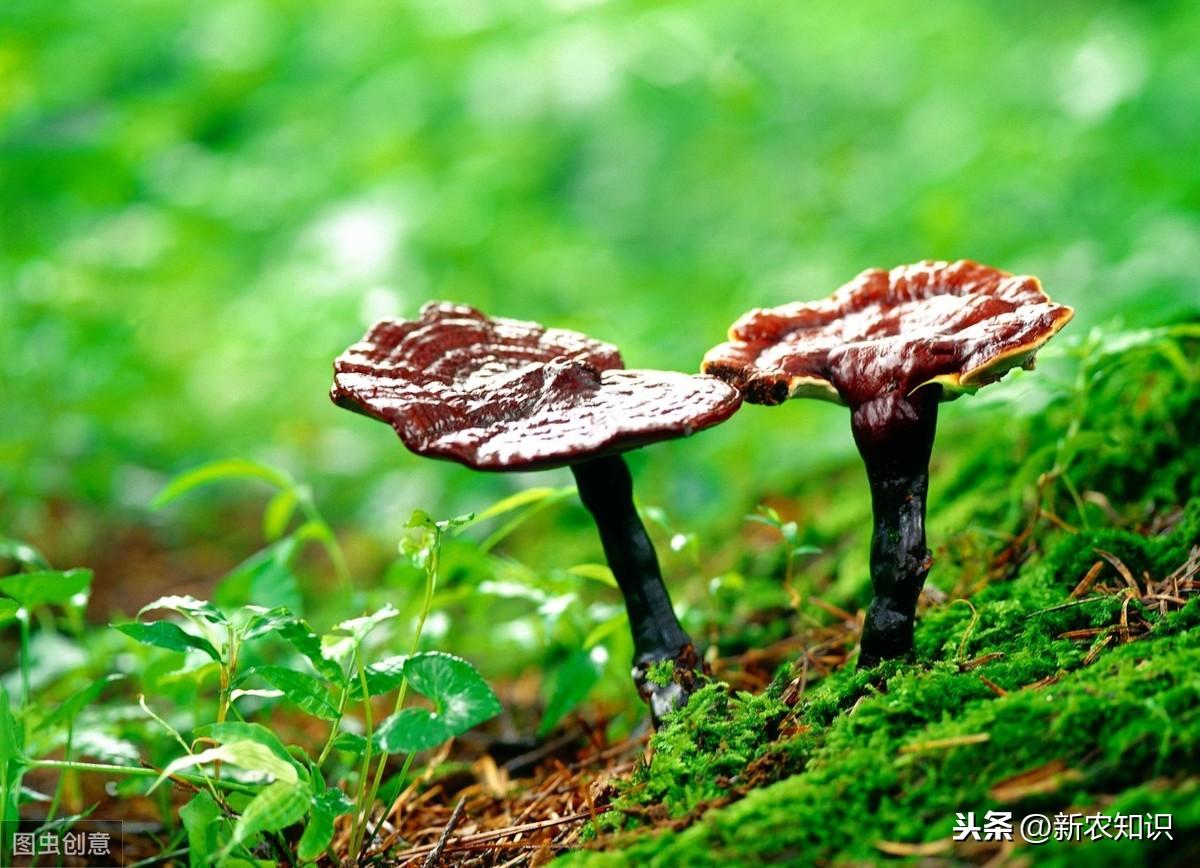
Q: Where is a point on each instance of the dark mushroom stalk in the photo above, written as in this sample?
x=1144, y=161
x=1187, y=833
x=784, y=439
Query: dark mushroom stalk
x=894, y=435
x=606, y=489
x=507, y=395
x=891, y=345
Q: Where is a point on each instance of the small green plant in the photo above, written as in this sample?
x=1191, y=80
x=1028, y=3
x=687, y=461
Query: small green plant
x=793, y=548
x=249, y=785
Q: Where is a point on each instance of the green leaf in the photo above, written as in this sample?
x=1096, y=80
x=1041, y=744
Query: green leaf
x=266, y=579
x=69, y=709
x=278, y=514
x=276, y=807
x=351, y=742
x=10, y=736
x=461, y=697
x=8, y=610
x=382, y=677
x=186, y=605
x=596, y=572
x=230, y=731
x=360, y=627
x=22, y=553
x=164, y=634
x=261, y=621
x=46, y=586
x=249, y=755
x=569, y=686
x=235, y=468
x=304, y=690
x=202, y=821
x=318, y=832
x=301, y=637
x=603, y=630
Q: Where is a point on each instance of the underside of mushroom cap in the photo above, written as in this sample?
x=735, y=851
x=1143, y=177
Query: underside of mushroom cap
x=958, y=324
x=502, y=394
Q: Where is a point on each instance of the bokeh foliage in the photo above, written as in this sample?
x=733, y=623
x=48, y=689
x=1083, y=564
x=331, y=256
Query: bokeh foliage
x=202, y=204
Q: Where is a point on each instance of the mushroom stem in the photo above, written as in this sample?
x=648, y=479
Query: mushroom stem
x=606, y=489
x=894, y=434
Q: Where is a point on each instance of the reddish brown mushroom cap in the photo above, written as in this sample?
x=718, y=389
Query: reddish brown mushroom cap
x=503, y=394
x=959, y=324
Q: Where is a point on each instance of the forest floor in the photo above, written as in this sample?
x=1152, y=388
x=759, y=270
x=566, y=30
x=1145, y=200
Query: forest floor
x=1057, y=673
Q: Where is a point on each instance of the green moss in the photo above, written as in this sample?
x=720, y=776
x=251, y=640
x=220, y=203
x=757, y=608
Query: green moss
x=661, y=672
x=894, y=754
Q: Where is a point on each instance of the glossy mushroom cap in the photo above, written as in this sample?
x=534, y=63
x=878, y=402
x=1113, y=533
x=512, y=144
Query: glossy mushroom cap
x=503, y=394
x=959, y=324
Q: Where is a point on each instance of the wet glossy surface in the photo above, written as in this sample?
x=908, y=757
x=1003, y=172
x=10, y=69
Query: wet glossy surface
x=958, y=323
x=502, y=394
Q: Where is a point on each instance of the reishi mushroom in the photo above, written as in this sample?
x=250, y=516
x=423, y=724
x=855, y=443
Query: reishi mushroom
x=506, y=395
x=891, y=345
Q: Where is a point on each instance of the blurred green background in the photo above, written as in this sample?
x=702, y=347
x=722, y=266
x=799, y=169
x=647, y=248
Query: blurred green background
x=202, y=204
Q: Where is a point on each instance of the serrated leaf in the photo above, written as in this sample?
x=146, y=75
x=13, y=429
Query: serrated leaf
x=164, y=634
x=235, y=468
x=248, y=755
x=186, y=605
x=382, y=677
x=276, y=807
x=360, y=627
x=73, y=705
x=596, y=572
x=202, y=821
x=569, y=686
x=462, y=700
x=278, y=514
x=304, y=690
x=46, y=586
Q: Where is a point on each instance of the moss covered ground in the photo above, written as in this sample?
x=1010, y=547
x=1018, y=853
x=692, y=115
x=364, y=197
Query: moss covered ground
x=1057, y=669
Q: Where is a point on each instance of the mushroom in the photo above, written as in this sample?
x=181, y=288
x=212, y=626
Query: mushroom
x=891, y=345
x=507, y=395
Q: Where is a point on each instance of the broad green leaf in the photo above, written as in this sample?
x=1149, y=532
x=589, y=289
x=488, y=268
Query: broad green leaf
x=382, y=677
x=261, y=621
x=202, y=821
x=360, y=627
x=186, y=605
x=304, y=690
x=351, y=742
x=278, y=514
x=22, y=553
x=303, y=639
x=69, y=709
x=278, y=806
x=164, y=634
x=461, y=698
x=318, y=832
x=235, y=730
x=8, y=609
x=266, y=579
x=235, y=468
x=569, y=686
x=248, y=755
x=46, y=586
x=596, y=572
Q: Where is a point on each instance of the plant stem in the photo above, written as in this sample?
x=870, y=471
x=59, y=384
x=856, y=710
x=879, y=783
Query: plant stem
x=894, y=434
x=365, y=792
x=133, y=771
